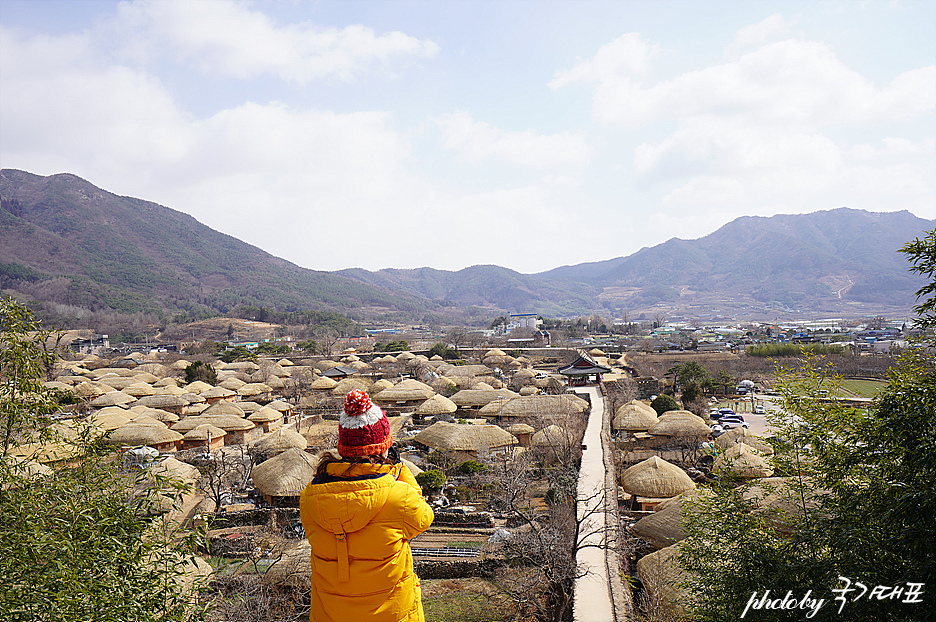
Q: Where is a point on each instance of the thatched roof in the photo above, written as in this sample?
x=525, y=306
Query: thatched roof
x=218, y=392
x=170, y=389
x=91, y=390
x=380, y=385
x=285, y=363
x=743, y=435
x=115, y=398
x=532, y=405
x=665, y=526
x=405, y=356
x=249, y=407
x=655, y=478
x=494, y=352
x=521, y=428
x=326, y=364
x=224, y=408
x=280, y=405
x=192, y=398
x=525, y=391
x=228, y=423
x=661, y=576
x=278, y=371
x=248, y=367
x=470, y=398
x=279, y=440
x=482, y=386
x=323, y=384
x=253, y=388
x=550, y=436
x=232, y=384
x=468, y=370
x=436, y=405
x=265, y=415
x=204, y=432
x=285, y=475
x=458, y=437
x=400, y=393
x=197, y=387
x=412, y=383
x=632, y=418
x=276, y=383
x=346, y=385
x=118, y=382
x=101, y=372
x=132, y=434
x=162, y=401
x=321, y=434
x=780, y=496
x=742, y=460
x=161, y=415
x=143, y=374
x=679, y=423
x=180, y=365
x=110, y=420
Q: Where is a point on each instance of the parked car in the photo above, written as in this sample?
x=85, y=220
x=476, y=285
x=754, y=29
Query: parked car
x=728, y=422
x=759, y=409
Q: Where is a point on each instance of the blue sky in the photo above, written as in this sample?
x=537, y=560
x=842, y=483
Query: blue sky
x=446, y=134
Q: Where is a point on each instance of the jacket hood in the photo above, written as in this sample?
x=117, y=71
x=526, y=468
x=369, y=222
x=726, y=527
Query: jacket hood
x=348, y=504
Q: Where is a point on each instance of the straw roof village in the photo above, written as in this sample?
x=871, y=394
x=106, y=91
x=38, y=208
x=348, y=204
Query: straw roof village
x=247, y=443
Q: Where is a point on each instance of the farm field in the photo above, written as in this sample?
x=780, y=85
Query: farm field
x=463, y=600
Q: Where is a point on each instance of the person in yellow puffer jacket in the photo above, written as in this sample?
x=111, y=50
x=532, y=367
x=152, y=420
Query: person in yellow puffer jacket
x=359, y=514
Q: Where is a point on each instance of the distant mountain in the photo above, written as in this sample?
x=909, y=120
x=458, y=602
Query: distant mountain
x=68, y=243
x=843, y=253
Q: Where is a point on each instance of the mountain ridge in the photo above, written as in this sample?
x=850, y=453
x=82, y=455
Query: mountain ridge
x=66, y=241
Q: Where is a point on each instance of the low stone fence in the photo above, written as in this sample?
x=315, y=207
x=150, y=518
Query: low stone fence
x=456, y=569
x=480, y=520
x=272, y=517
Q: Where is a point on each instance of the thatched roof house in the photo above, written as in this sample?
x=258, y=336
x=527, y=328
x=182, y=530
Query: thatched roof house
x=135, y=434
x=282, y=478
x=267, y=418
x=279, y=441
x=632, y=418
x=742, y=460
x=436, y=405
x=743, y=435
x=170, y=403
x=534, y=406
x=679, y=423
x=466, y=441
x=114, y=398
x=469, y=399
x=662, y=578
x=204, y=435
x=654, y=479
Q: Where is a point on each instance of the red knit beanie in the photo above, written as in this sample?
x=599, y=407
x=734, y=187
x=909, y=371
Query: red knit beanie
x=363, y=429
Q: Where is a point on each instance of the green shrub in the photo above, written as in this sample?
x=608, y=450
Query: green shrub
x=430, y=480
x=470, y=467
x=663, y=403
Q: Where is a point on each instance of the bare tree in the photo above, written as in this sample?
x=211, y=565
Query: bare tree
x=223, y=472
x=457, y=337
x=327, y=338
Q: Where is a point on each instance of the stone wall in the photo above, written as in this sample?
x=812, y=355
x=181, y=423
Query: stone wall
x=456, y=569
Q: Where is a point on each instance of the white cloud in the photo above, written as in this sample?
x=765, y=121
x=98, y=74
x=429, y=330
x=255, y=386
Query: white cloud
x=789, y=81
x=477, y=141
x=626, y=55
x=758, y=34
x=231, y=39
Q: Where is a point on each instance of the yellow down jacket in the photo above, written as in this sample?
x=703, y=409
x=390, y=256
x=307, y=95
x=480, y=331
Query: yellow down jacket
x=359, y=520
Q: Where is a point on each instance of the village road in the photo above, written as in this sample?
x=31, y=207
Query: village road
x=592, y=592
